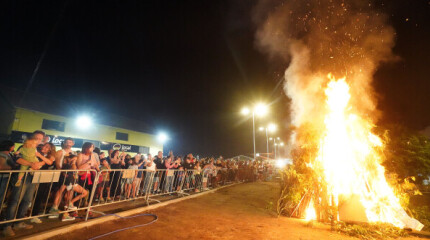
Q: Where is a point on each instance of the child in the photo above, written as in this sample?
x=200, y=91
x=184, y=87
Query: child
x=28, y=153
x=130, y=180
x=104, y=180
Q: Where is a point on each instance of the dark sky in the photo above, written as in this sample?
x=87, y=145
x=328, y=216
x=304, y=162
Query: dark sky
x=186, y=67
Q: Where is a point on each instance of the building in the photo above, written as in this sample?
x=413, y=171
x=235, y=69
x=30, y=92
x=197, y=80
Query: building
x=21, y=116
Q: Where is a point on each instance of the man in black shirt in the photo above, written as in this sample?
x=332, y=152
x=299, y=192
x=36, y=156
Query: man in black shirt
x=158, y=160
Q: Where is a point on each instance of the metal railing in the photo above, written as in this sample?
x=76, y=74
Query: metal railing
x=50, y=193
x=32, y=190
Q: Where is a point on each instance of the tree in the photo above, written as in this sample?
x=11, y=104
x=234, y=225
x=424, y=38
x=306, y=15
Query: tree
x=407, y=153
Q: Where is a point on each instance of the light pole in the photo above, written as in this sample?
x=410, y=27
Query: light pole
x=270, y=128
x=276, y=144
x=259, y=109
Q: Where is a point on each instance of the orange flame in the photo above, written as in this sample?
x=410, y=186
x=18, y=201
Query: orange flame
x=350, y=161
x=310, y=213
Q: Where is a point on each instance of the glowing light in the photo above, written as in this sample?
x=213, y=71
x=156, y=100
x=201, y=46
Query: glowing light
x=271, y=127
x=260, y=109
x=162, y=137
x=281, y=163
x=349, y=159
x=245, y=111
x=261, y=128
x=310, y=213
x=282, y=144
x=257, y=154
x=84, y=122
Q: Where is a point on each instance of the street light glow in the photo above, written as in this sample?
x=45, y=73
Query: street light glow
x=272, y=127
x=162, y=137
x=84, y=122
x=245, y=111
x=260, y=109
x=278, y=138
x=261, y=128
x=282, y=144
x=281, y=163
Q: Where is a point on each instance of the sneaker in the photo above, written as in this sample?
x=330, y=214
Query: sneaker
x=8, y=232
x=108, y=199
x=72, y=207
x=22, y=225
x=101, y=199
x=36, y=220
x=18, y=183
x=67, y=217
x=54, y=213
x=73, y=214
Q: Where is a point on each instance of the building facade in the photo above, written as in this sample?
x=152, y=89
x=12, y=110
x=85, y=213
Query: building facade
x=17, y=122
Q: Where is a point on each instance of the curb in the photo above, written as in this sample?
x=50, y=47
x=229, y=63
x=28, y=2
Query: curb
x=71, y=227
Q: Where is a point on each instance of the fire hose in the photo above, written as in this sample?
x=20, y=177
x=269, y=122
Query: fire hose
x=127, y=228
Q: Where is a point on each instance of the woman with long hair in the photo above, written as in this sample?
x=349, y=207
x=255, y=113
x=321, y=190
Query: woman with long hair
x=48, y=152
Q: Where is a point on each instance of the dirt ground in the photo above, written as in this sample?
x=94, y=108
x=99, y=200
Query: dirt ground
x=243, y=211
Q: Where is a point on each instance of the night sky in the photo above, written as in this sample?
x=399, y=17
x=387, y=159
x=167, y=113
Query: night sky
x=187, y=67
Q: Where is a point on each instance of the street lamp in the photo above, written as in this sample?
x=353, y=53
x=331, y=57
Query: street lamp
x=276, y=144
x=260, y=110
x=84, y=122
x=270, y=128
x=162, y=137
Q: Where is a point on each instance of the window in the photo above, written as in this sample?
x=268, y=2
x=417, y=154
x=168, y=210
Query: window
x=53, y=125
x=121, y=136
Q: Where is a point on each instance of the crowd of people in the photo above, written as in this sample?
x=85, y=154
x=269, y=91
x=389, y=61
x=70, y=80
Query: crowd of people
x=144, y=175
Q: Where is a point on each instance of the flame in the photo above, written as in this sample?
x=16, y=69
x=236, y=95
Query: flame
x=310, y=213
x=350, y=161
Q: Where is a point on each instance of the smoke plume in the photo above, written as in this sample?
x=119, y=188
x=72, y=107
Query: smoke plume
x=316, y=37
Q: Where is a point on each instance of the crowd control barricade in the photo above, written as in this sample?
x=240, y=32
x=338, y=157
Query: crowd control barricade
x=208, y=177
x=120, y=185
x=166, y=181
x=191, y=180
x=26, y=194
x=50, y=193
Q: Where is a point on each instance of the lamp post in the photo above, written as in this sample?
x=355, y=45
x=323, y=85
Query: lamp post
x=259, y=110
x=270, y=128
x=276, y=144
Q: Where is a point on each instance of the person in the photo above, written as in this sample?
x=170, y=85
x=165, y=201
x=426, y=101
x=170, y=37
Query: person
x=6, y=163
x=47, y=151
x=45, y=139
x=159, y=175
x=21, y=196
x=104, y=179
x=140, y=173
x=117, y=161
x=87, y=161
x=189, y=173
x=68, y=183
x=131, y=181
x=209, y=173
x=198, y=176
x=169, y=174
x=149, y=174
x=66, y=154
x=28, y=153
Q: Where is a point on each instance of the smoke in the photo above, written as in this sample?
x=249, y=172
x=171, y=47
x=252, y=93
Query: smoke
x=316, y=37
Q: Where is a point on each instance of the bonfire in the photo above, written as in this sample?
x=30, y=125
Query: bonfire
x=348, y=162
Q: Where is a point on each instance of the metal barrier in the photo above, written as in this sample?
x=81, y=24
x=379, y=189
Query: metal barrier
x=209, y=178
x=45, y=191
x=32, y=189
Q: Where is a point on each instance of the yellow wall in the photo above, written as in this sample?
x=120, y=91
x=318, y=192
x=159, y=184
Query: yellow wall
x=29, y=121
